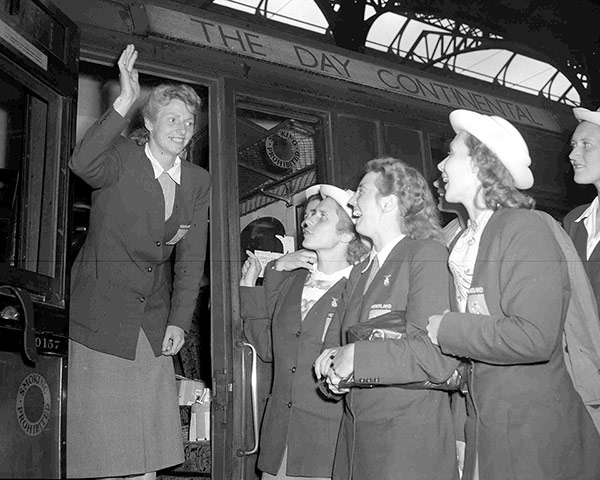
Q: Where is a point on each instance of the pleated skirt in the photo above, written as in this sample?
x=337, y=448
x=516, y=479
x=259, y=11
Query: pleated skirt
x=122, y=415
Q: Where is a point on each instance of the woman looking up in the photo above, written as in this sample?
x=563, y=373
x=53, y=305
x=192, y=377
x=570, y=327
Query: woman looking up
x=509, y=302
x=389, y=432
x=286, y=319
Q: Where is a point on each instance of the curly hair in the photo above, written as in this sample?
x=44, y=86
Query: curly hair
x=161, y=96
x=497, y=183
x=419, y=217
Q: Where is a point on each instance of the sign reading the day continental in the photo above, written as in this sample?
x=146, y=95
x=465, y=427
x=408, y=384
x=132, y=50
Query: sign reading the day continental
x=222, y=36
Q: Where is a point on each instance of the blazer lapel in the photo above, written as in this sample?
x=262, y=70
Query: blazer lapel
x=580, y=240
x=156, y=203
x=188, y=196
x=382, y=278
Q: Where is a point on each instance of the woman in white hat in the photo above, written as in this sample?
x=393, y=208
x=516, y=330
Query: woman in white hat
x=511, y=291
x=583, y=223
x=390, y=432
x=286, y=319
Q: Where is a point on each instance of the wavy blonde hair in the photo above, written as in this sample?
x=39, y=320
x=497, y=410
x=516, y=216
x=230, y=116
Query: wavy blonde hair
x=161, y=96
x=419, y=216
x=497, y=183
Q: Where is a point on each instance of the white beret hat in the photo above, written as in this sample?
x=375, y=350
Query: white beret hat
x=342, y=197
x=502, y=138
x=585, y=115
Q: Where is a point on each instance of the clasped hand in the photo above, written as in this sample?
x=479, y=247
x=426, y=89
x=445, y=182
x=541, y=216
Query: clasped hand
x=335, y=365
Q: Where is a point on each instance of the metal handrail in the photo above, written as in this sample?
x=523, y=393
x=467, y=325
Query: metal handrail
x=253, y=385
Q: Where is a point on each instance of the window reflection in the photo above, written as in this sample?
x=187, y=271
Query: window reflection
x=12, y=133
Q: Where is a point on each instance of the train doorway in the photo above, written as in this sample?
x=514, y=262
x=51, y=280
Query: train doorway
x=39, y=48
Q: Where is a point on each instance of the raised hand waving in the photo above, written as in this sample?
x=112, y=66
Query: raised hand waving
x=128, y=79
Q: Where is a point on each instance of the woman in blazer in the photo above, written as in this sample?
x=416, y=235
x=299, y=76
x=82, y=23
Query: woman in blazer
x=286, y=319
x=582, y=222
x=128, y=312
x=389, y=432
x=510, y=297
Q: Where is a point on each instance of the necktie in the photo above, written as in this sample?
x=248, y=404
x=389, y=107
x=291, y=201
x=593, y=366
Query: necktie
x=168, y=187
x=372, y=272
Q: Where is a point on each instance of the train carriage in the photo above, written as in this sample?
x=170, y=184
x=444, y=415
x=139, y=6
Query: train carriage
x=282, y=111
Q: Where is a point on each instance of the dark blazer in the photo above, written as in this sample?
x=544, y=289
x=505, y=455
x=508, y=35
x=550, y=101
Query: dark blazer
x=121, y=280
x=296, y=415
x=389, y=432
x=579, y=235
x=524, y=418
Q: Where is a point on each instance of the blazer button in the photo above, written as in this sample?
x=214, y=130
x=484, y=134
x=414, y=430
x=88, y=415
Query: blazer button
x=158, y=244
x=289, y=404
x=293, y=369
x=142, y=299
x=298, y=333
x=150, y=269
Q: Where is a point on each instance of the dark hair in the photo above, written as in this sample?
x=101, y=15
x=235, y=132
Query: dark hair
x=497, y=183
x=161, y=96
x=419, y=217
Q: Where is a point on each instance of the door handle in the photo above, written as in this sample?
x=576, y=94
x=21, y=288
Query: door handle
x=11, y=313
x=253, y=385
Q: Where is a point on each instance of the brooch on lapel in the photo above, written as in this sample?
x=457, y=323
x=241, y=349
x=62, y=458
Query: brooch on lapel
x=386, y=280
x=334, y=302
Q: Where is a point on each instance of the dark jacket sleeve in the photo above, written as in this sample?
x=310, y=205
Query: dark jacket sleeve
x=257, y=306
x=533, y=284
x=413, y=358
x=96, y=159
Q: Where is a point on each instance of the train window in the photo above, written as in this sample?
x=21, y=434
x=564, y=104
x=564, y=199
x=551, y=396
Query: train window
x=28, y=184
x=357, y=143
x=404, y=143
x=12, y=133
x=439, y=147
x=277, y=158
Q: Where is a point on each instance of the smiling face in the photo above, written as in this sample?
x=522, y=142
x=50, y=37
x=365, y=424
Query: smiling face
x=585, y=154
x=320, y=227
x=171, y=130
x=366, y=206
x=459, y=174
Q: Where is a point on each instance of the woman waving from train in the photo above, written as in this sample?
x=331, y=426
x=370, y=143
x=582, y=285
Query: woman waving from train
x=134, y=283
x=389, y=432
x=286, y=319
x=510, y=296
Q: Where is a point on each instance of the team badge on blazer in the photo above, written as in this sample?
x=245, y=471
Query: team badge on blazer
x=181, y=231
x=379, y=309
x=334, y=302
x=476, y=301
x=386, y=280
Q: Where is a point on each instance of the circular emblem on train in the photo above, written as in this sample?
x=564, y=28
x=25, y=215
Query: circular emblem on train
x=282, y=150
x=33, y=404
